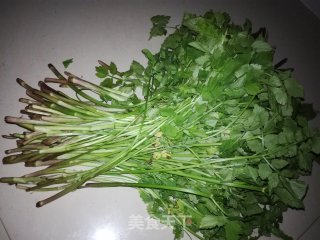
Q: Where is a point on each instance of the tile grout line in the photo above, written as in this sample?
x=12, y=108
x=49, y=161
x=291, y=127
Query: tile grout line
x=5, y=229
x=307, y=229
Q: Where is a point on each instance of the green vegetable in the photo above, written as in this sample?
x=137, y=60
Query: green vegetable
x=220, y=137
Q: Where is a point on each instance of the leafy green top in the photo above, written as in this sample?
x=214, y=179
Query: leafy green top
x=242, y=119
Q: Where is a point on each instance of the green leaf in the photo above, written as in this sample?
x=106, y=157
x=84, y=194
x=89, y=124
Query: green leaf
x=172, y=41
x=287, y=109
x=211, y=221
x=252, y=88
x=252, y=209
x=264, y=171
x=274, y=81
x=293, y=87
x=167, y=112
x=101, y=72
x=261, y=46
x=255, y=145
x=280, y=234
x=203, y=59
x=251, y=172
x=170, y=131
x=108, y=82
x=159, y=24
x=305, y=160
x=148, y=55
x=298, y=187
x=232, y=230
x=288, y=198
x=100, y=75
x=286, y=136
x=270, y=141
x=273, y=181
x=200, y=108
x=279, y=163
x=157, y=31
x=261, y=114
x=197, y=24
x=160, y=20
x=179, y=120
x=228, y=147
x=113, y=68
x=194, y=131
x=280, y=95
x=211, y=122
x=199, y=46
x=67, y=62
x=137, y=68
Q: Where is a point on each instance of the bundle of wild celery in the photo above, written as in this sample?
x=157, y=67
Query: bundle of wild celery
x=221, y=135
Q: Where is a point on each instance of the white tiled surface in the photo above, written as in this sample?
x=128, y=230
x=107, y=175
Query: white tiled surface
x=3, y=232
x=312, y=232
x=34, y=33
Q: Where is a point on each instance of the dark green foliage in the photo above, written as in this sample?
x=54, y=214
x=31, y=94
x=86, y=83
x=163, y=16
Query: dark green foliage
x=251, y=109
